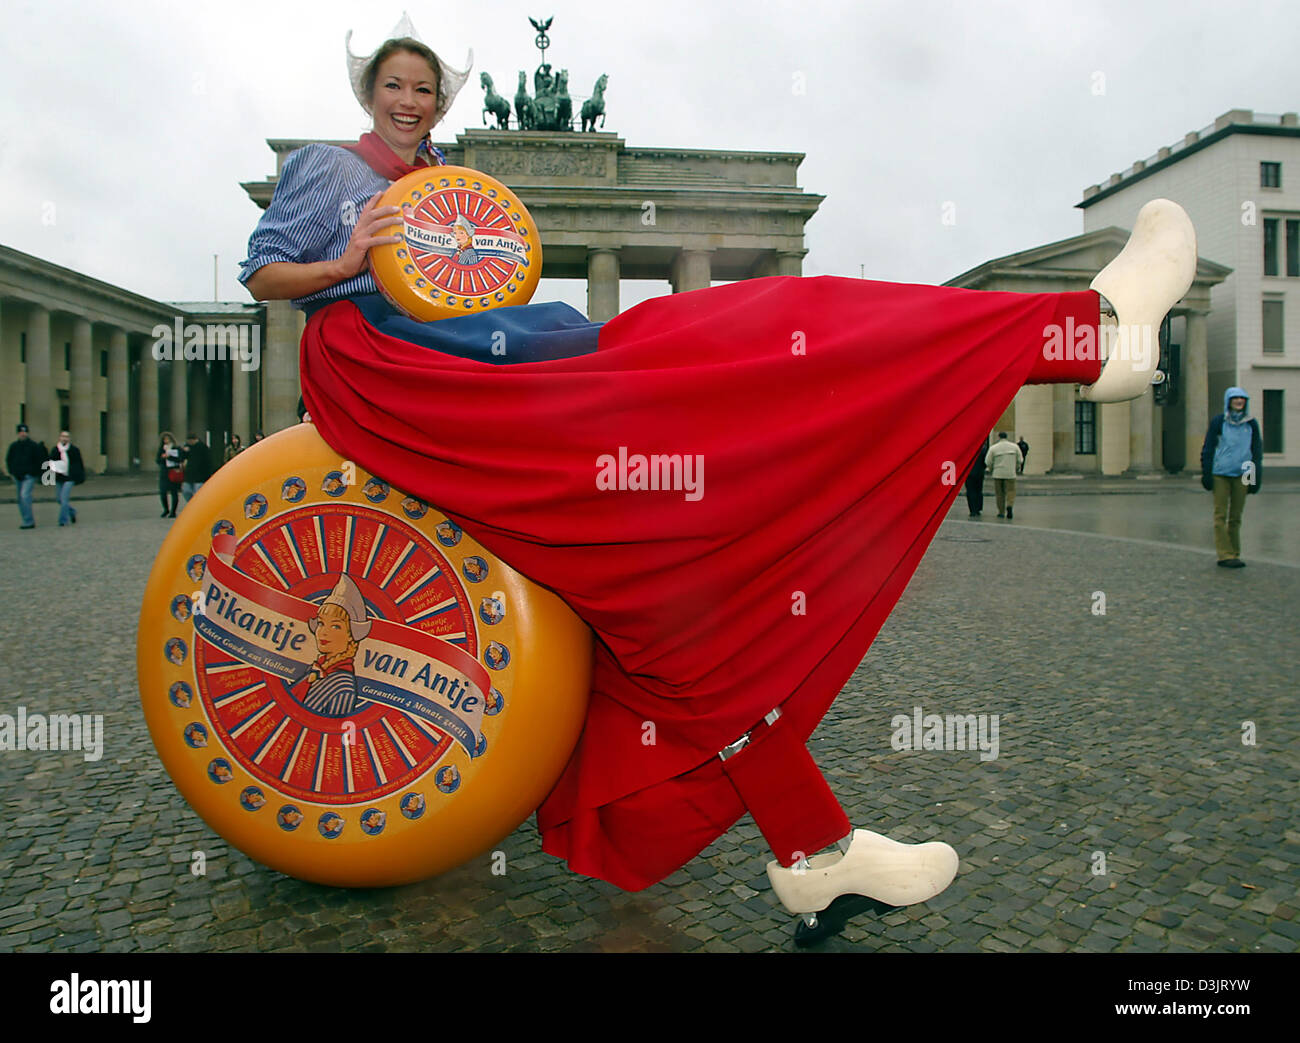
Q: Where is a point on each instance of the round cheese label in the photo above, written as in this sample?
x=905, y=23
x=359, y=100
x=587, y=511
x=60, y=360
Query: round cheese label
x=468, y=244
x=341, y=681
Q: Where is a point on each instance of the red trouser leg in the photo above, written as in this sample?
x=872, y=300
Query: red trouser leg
x=786, y=793
x=1070, y=351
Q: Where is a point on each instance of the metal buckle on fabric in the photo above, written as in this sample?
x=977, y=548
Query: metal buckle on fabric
x=730, y=751
x=769, y=719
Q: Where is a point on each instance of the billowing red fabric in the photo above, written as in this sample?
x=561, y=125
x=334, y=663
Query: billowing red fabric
x=834, y=419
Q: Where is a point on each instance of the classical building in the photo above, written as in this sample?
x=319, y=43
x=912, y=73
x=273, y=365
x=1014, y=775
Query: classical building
x=605, y=212
x=1239, y=180
x=80, y=354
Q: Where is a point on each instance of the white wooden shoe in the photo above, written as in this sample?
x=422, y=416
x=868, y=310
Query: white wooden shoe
x=1150, y=275
x=874, y=866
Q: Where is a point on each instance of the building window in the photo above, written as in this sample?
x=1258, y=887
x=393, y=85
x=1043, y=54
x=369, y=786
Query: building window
x=1273, y=327
x=1085, y=428
x=1273, y=237
x=103, y=432
x=1270, y=175
x=1271, y=421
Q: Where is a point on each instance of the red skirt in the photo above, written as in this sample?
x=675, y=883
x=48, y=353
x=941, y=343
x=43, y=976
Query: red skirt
x=821, y=429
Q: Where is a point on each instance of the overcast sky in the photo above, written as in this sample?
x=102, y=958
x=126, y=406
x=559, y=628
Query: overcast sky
x=126, y=128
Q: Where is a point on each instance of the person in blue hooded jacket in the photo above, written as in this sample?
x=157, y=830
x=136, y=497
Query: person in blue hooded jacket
x=1231, y=467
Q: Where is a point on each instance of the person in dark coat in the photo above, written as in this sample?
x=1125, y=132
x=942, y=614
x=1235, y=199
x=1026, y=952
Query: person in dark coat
x=198, y=465
x=1024, y=454
x=169, y=467
x=975, y=481
x=65, y=462
x=24, y=461
x=1232, y=465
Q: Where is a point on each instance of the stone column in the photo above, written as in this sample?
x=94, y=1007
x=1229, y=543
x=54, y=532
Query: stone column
x=81, y=392
x=240, y=398
x=1062, y=427
x=1196, y=389
x=179, y=420
x=280, y=367
x=692, y=270
x=1142, y=434
x=11, y=390
x=602, y=284
x=198, y=398
x=1112, y=437
x=119, y=403
x=149, y=425
x=42, y=405
x=790, y=262
x=1034, y=413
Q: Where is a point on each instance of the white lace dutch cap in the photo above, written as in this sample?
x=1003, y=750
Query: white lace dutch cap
x=452, y=80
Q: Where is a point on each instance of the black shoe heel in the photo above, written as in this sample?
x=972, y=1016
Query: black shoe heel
x=831, y=920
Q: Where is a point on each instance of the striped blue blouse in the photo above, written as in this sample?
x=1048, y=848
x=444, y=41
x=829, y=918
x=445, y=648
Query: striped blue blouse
x=322, y=189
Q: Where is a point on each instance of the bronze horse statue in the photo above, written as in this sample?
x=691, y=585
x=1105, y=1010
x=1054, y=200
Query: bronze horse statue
x=564, y=104
x=595, y=105
x=493, y=103
x=525, y=112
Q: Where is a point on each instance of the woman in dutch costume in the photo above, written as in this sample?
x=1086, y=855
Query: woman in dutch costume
x=727, y=621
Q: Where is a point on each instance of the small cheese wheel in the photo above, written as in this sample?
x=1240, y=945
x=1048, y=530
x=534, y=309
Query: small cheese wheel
x=342, y=682
x=468, y=245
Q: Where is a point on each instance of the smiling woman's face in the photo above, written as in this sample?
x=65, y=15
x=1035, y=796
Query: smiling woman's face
x=332, y=634
x=403, y=101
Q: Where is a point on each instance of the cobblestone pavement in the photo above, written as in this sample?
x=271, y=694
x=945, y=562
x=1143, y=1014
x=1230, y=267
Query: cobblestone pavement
x=1120, y=742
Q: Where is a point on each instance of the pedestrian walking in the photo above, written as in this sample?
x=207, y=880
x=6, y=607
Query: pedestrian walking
x=1232, y=463
x=234, y=448
x=65, y=462
x=1024, y=455
x=975, y=481
x=198, y=465
x=24, y=461
x=1002, y=459
x=171, y=472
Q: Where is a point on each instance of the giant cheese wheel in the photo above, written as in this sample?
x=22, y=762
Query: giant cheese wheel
x=467, y=690
x=468, y=245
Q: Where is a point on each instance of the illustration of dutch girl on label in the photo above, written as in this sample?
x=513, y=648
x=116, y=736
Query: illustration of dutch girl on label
x=464, y=233
x=329, y=687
